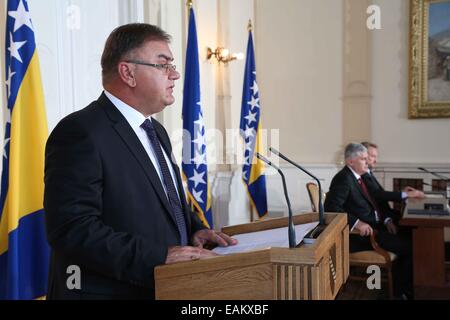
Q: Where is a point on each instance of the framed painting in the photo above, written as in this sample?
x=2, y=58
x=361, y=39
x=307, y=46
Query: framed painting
x=429, y=70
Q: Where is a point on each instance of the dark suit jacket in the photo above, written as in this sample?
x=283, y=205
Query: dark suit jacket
x=346, y=195
x=106, y=209
x=378, y=191
x=381, y=196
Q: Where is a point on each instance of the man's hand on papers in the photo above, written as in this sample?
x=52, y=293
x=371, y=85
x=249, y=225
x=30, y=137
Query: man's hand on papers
x=187, y=253
x=199, y=240
x=207, y=236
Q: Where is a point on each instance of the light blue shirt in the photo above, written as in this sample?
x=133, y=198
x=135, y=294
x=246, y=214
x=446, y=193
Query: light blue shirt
x=135, y=119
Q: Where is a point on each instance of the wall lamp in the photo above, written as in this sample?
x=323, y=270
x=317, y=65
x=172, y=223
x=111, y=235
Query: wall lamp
x=223, y=55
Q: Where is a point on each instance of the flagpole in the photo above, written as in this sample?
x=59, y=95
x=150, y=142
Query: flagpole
x=250, y=26
x=189, y=5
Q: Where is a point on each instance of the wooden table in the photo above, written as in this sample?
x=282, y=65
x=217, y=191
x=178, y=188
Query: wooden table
x=428, y=256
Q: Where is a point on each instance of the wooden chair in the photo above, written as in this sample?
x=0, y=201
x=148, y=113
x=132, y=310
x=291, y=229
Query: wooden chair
x=378, y=256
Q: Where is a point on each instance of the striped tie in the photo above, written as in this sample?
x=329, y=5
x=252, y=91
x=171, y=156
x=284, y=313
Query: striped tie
x=172, y=195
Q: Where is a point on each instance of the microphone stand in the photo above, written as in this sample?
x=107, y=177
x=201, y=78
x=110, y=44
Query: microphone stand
x=313, y=234
x=440, y=177
x=291, y=230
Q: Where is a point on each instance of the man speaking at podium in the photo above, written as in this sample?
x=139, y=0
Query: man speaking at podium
x=114, y=198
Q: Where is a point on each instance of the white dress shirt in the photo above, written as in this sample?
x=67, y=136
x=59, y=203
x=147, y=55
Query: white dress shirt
x=135, y=120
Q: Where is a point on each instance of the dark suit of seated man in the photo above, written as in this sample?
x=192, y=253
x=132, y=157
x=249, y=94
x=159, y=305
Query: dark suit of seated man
x=381, y=196
x=114, y=200
x=348, y=193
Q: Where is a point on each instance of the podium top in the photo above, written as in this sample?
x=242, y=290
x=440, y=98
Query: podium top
x=304, y=254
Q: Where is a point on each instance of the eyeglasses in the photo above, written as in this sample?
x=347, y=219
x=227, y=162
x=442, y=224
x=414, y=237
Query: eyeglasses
x=161, y=66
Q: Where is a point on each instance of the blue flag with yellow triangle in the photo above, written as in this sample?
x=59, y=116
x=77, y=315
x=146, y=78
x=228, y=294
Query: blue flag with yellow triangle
x=195, y=169
x=253, y=169
x=24, y=252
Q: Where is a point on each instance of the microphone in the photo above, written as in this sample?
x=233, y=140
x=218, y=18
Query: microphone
x=434, y=174
x=440, y=177
x=321, y=210
x=291, y=230
x=314, y=233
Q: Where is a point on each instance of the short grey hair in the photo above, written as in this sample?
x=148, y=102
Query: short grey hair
x=352, y=150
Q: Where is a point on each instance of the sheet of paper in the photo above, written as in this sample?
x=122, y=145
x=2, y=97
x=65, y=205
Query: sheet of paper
x=266, y=239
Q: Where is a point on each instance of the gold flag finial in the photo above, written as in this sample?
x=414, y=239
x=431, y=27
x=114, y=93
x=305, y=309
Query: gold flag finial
x=189, y=4
x=250, y=26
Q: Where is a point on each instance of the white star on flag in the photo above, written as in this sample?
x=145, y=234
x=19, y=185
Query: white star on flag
x=8, y=82
x=249, y=146
x=8, y=116
x=255, y=87
x=14, y=48
x=198, y=196
x=199, y=159
x=21, y=17
x=251, y=117
x=200, y=141
x=5, y=155
x=198, y=178
x=254, y=102
x=249, y=131
x=199, y=121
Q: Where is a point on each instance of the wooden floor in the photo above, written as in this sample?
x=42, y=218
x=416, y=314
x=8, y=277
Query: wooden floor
x=357, y=289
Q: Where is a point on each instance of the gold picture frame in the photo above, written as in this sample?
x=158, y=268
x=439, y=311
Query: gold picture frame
x=429, y=69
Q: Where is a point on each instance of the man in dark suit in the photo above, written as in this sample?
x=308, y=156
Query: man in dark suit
x=348, y=193
x=114, y=200
x=381, y=196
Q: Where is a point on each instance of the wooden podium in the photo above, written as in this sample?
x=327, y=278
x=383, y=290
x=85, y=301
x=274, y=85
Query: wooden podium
x=309, y=272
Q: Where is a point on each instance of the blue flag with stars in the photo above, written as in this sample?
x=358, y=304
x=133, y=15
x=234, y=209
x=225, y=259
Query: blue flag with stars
x=195, y=170
x=253, y=169
x=24, y=252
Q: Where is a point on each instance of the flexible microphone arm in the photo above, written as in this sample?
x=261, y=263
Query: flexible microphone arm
x=321, y=210
x=291, y=230
x=435, y=174
x=440, y=177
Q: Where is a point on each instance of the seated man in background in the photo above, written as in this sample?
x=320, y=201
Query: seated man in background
x=381, y=196
x=348, y=193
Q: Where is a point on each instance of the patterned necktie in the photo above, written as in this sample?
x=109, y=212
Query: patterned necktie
x=172, y=195
x=378, y=213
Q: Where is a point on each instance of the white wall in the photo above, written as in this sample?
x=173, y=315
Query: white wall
x=400, y=139
x=70, y=52
x=299, y=56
